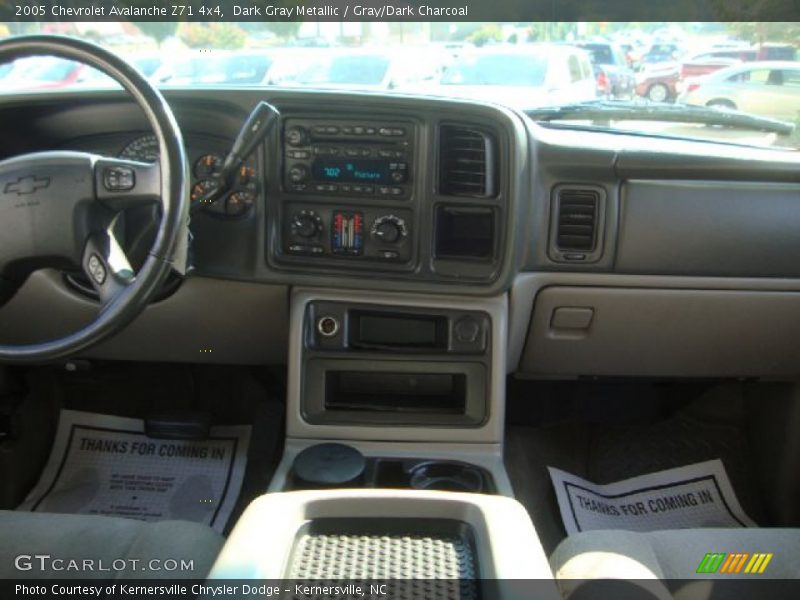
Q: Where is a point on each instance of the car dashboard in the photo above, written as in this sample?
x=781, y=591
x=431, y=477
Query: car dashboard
x=612, y=249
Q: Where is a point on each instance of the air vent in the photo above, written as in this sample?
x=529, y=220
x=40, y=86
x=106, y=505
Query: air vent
x=467, y=162
x=577, y=219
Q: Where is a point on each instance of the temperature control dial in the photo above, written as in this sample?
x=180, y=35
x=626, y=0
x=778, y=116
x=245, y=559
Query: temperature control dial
x=389, y=229
x=306, y=224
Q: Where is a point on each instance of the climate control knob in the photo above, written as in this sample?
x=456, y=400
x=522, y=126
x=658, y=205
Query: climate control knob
x=389, y=229
x=306, y=224
x=296, y=136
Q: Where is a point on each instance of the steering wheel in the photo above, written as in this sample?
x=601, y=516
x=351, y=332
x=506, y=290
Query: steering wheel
x=58, y=208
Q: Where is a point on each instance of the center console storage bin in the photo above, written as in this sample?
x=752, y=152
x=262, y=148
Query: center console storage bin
x=392, y=392
x=378, y=548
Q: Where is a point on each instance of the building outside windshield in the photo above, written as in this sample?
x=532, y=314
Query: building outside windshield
x=683, y=72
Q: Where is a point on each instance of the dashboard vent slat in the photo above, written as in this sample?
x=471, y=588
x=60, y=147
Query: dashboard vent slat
x=577, y=220
x=467, y=162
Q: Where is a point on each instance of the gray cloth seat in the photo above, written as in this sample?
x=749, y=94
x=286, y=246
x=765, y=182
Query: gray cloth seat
x=661, y=562
x=27, y=537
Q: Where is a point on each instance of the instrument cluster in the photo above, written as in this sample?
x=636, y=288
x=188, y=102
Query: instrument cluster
x=206, y=164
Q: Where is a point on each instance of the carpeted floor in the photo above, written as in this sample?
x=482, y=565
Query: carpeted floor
x=227, y=395
x=606, y=450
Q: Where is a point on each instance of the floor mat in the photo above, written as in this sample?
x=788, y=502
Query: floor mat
x=106, y=465
x=691, y=496
x=710, y=427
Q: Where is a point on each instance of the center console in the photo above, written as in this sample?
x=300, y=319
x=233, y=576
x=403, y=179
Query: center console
x=396, y=368
x=463, y=546
x=349, y=191
x=393, y=462
x=417, y=196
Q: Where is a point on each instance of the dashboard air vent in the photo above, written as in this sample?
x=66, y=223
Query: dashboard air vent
x=577, y=219
x=467, y=162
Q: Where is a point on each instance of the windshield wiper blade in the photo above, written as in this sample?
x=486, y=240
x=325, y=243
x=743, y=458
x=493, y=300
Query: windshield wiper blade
x=674, y=113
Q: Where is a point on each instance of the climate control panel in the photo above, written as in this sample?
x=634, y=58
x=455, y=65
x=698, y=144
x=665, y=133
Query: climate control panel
x=367, y=232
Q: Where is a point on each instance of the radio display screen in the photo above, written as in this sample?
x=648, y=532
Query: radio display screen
x=351, y=171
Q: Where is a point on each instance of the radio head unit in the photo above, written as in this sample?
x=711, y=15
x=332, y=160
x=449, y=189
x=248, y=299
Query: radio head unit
x=348, y=157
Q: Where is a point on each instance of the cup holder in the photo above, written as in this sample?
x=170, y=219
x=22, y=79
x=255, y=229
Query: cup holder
x=446, y=477
x=332, y=465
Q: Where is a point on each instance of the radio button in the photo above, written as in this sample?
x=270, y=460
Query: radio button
x=325, y=151
x=298, y=174
x=296, y=136
x=305, y=249
x=392, y=131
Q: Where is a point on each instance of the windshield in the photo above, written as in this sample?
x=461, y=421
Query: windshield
x=736, y=67
x=497, y=69
x=344, y=70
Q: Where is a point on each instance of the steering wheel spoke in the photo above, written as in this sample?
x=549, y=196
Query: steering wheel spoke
x=122, y=184
x=106, y=265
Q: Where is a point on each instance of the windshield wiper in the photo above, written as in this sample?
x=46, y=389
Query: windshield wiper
x=602, y=110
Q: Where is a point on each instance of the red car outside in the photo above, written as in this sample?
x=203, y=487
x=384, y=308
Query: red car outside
x=663, y=85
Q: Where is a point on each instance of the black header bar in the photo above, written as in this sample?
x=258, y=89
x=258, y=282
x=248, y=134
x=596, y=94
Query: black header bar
x=511, y=11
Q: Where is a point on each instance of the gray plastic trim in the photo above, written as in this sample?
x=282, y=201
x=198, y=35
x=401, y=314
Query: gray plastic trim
x=657, y=326
x=528, y=285
x=506, y=542
x=720, y=228
x=491, y=431
x=205, y=321
x=487, y=456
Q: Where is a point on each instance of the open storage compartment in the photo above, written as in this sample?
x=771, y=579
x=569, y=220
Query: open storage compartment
x=421, y=544
x=387, y=548
x=394, y=392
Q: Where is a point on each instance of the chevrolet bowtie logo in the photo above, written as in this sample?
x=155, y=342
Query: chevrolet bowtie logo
x=26, y=185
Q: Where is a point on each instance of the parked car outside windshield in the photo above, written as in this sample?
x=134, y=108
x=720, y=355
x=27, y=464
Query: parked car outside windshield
x=523, y=66
x=769, y=89
x=539, y=75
